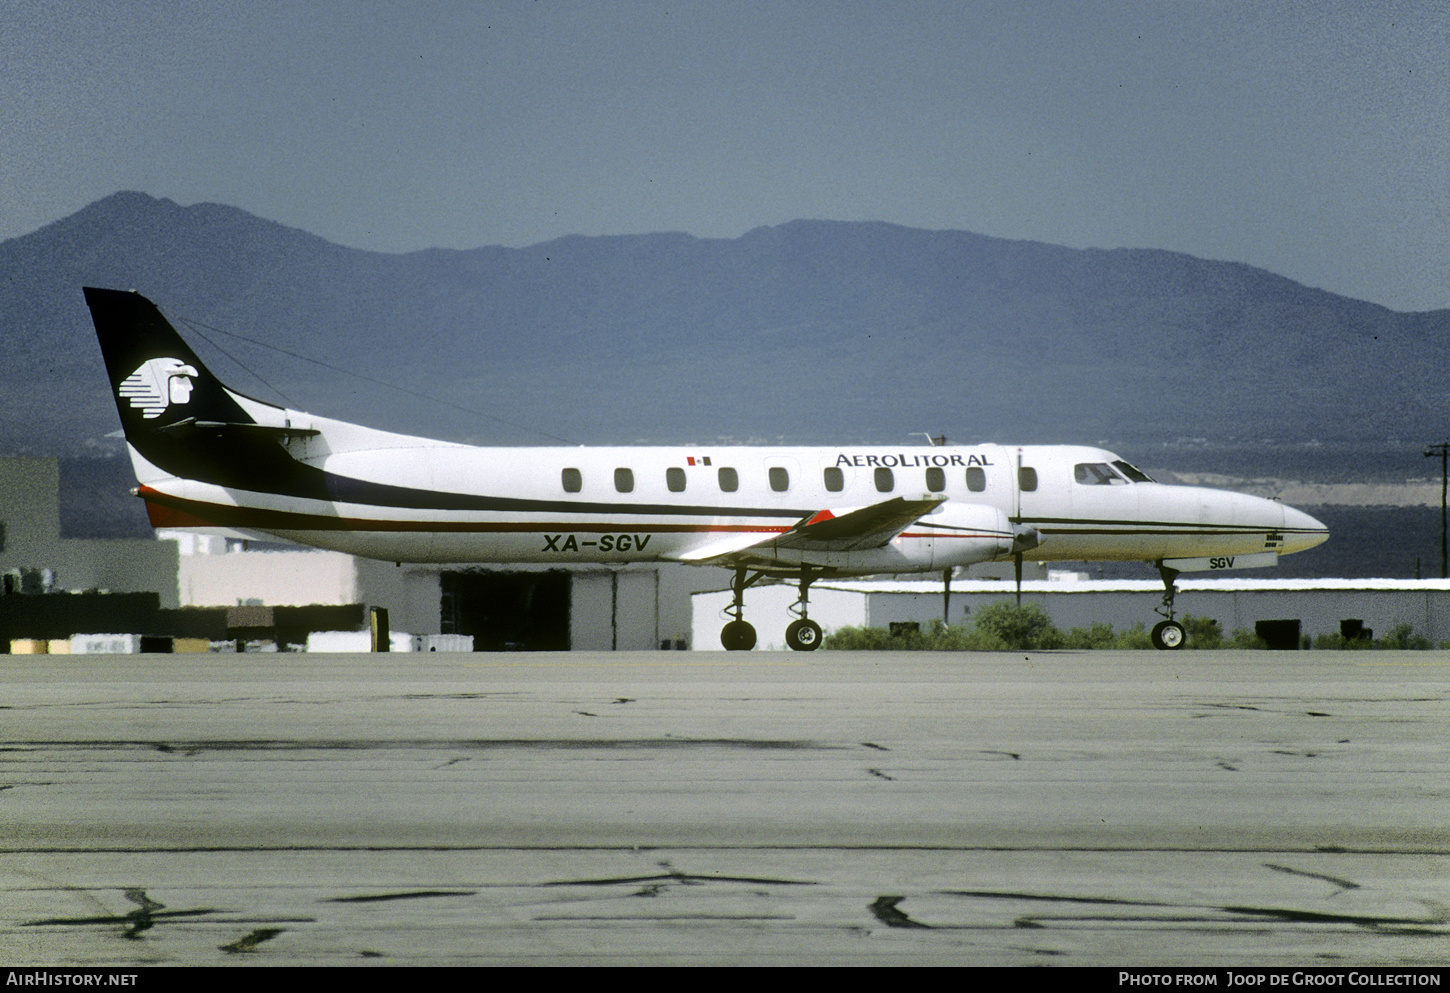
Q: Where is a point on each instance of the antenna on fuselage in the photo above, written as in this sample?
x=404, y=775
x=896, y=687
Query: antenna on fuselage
x=197, y=328
x=936, y=441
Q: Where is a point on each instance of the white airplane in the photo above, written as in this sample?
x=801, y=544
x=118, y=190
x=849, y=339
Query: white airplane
x=206, y=456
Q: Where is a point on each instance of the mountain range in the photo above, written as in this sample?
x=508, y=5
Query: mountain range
x=810, y=332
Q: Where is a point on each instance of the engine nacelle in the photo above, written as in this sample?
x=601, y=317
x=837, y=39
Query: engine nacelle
x=959, y=534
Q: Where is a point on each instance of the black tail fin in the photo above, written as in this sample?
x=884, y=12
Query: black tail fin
x=179, y=419
x=156, y=378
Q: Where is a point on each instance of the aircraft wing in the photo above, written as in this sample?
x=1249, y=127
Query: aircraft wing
x=824, y=531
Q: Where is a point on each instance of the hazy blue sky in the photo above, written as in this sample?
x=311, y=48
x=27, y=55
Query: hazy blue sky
x=1309, y=138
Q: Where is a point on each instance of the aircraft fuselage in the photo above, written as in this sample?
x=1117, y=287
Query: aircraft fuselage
x=455, y=503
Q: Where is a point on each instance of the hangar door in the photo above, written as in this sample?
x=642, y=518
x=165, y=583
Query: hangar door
x=508, y=611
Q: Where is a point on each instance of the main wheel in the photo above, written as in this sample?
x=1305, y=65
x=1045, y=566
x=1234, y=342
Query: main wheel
x=803, y=635
x=1169, y=635
x=738, y=636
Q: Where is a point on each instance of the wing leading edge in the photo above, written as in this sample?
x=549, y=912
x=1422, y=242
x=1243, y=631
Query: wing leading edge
x=827, y=530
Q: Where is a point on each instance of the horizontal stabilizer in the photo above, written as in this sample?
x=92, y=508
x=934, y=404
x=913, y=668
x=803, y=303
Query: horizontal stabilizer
x=221, y=427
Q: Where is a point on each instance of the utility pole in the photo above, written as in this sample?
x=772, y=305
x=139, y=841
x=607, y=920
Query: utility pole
x=1442, y=450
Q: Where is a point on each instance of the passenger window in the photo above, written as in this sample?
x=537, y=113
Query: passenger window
x=1096, y=474
x=1026, y=479
x=624, y=480
x=835, y=479
x=729, y=480
x=976, y=478
x=779, y=479
x=675, y=479
x=573, y=481
x=885, y=480
x=936, y=479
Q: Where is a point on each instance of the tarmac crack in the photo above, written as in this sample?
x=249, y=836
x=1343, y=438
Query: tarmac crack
x=249, y=943
x=885, y=909
x=191, y=748
x=1430, y=924
x=411, y=895
x=673, y=875
x=142, y=919
x=1317, y=917
x=1343, y=884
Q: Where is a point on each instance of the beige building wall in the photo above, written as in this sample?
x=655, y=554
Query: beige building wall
x=30, y=538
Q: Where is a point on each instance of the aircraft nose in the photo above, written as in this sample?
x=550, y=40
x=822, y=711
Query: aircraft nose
x=1302, y=531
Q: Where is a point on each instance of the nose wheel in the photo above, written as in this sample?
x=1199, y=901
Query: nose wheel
x=1168, y=635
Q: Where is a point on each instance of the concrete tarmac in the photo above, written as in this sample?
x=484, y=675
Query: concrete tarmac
x=1227, y=809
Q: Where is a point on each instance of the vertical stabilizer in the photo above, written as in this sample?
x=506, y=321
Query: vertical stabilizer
x=180, y=421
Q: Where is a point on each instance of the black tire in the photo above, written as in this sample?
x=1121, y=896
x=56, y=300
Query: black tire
x=803, y=635
x=738, y=636
x=1169, y=636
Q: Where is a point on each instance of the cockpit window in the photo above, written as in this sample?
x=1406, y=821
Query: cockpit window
x=1132, y=472
x=1096, y=474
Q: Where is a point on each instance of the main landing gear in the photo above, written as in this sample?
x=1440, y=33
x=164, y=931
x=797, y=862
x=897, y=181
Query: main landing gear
x=803, y=634
x=739, y=634
x=1168, y=635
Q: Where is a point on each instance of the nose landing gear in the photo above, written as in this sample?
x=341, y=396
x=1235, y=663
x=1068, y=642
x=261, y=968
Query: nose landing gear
x=1168, y=635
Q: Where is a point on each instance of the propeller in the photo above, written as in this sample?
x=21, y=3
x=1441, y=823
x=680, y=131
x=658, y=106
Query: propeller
x=1016, y=523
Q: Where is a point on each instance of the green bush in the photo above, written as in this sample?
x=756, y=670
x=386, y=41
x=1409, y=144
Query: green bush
x=1203, y=632
x=1100, y=635
x=1023, y=628
x=1244, y=638
x=1135, y=638
x=1402, y=637
x=938, y=638
x=857, y=639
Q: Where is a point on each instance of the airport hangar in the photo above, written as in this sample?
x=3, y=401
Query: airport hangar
x=212, y=592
